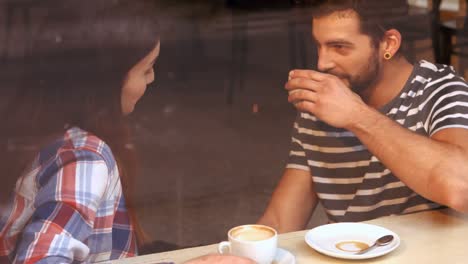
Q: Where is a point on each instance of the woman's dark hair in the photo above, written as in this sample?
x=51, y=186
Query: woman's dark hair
x=376, y=17
x=70, y=73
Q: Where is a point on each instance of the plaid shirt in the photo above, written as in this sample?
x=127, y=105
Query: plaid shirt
x=68, y=207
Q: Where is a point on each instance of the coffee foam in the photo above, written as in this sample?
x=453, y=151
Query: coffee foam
x=252, y=233
x=351, y=246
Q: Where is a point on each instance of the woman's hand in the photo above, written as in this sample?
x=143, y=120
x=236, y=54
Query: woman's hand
x=220, y=259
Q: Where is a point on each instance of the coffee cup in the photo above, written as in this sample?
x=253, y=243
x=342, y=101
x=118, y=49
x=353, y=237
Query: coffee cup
x=256, y=242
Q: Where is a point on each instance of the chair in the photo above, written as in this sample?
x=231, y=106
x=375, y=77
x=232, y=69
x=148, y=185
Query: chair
x=452, y=35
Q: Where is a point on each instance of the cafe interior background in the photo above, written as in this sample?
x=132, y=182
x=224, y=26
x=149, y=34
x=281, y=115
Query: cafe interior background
x=213, y=131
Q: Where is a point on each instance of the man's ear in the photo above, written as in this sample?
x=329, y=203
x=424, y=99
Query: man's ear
x=391, y=43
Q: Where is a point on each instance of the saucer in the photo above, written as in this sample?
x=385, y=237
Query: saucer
x=325, y=239
x=284, y=257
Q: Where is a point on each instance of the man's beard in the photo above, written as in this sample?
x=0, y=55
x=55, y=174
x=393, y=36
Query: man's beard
x=367, y=78
x=364, y=79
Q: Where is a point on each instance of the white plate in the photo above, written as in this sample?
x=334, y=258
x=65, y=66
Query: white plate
x=325, y=238
x=284, y=257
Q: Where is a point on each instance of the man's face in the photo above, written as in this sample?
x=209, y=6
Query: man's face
x=346, y=52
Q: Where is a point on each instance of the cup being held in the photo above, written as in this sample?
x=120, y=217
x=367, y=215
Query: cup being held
x=292, y=92
x=256, y=242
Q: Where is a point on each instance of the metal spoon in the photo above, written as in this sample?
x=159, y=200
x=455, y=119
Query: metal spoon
x=382, y=241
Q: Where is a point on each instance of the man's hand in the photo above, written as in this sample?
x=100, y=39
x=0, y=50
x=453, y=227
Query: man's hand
x=324, y=96
x=220, y=259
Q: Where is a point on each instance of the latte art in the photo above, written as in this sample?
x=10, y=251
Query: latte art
x=256, y=242
x=252, y=233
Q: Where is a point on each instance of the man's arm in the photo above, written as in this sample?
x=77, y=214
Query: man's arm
x=436, y=167
x=292, y=203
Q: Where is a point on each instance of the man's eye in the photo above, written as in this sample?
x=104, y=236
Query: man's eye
x=338, y=46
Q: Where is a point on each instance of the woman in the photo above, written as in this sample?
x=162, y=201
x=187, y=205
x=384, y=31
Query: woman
x=67, y=160
x=66, y=153
x=65, y=149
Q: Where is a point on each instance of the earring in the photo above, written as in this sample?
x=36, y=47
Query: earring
x=387, y=55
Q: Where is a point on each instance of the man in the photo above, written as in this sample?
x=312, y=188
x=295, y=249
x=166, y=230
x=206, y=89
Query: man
x=375, y=135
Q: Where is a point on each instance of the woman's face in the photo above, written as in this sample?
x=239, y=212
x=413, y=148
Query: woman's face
x=139, y=76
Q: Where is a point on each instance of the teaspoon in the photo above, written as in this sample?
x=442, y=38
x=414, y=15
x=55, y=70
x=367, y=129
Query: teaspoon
x=382, y=241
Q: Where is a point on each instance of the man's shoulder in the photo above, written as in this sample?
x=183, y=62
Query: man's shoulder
x=436, y=73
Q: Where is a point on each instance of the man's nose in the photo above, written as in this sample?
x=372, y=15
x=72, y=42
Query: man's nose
x=325, y=62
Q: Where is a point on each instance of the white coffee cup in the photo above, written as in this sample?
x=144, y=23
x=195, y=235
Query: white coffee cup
x=256, y=242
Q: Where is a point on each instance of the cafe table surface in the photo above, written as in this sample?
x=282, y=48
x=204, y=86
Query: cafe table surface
x=438, y=236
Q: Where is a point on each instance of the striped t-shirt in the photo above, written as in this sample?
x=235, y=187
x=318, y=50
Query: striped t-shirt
x=351, y=183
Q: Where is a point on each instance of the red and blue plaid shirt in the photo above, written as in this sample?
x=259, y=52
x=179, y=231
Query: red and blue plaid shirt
x=68, y=207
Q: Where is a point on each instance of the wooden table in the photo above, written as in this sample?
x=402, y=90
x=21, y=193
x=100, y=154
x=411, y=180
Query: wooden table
x=439, y=236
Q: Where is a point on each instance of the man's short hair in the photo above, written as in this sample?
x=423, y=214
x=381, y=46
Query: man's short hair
x=376, y=16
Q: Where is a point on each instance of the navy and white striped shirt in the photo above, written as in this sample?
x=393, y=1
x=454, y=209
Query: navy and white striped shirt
x=351, y=183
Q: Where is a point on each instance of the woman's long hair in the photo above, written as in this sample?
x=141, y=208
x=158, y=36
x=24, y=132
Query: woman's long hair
x=70, y=73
